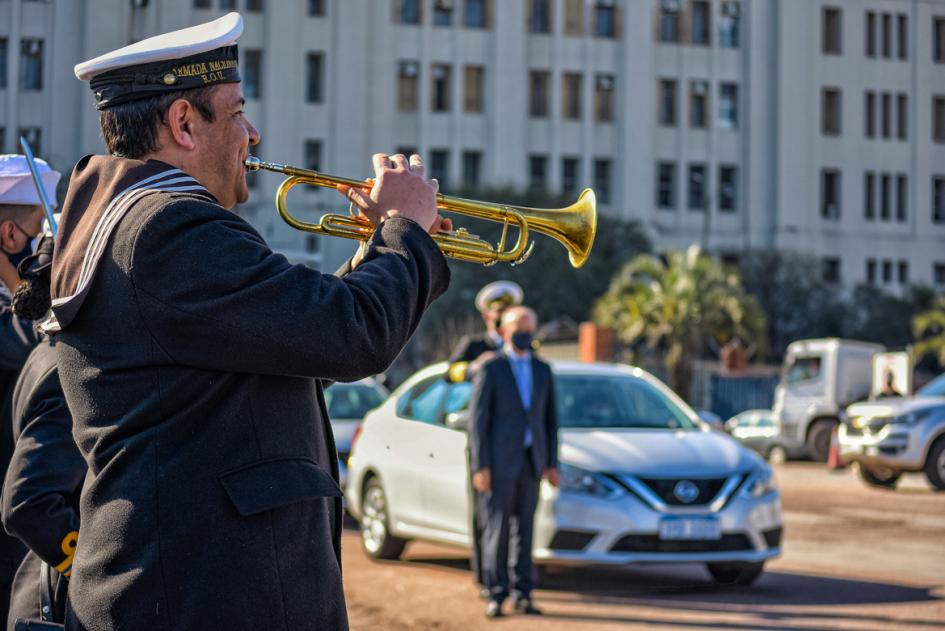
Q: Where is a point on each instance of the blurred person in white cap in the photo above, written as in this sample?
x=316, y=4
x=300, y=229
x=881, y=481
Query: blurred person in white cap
x=472, y=350
x=193, y=357
x=21, y=220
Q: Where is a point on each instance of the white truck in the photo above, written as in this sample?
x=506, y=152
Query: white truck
x=819, y=379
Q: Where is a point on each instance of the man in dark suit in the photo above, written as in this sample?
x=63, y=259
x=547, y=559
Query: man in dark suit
x=513, y=445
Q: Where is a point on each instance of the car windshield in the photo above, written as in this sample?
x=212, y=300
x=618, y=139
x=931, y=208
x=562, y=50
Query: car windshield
x=934, y=388
x=618, y=401
x=803, y=369
x=351, y=400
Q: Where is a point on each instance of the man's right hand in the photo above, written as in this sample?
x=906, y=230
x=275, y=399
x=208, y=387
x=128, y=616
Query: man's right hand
x=482, y=480
x=400, y=189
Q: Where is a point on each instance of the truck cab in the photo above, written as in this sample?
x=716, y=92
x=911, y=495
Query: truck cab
x=819, y=379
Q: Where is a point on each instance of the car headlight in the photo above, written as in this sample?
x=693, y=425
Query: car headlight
x=577, y=480
x=760, y=481
x=914, y=417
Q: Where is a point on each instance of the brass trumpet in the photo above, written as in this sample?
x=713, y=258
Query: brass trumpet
x=574, y=226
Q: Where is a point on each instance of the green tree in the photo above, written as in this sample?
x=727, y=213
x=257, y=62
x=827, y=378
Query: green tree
x=928, y=328
x=681, y=303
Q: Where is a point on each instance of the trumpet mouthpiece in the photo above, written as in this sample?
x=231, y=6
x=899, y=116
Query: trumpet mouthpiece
x=252, y=163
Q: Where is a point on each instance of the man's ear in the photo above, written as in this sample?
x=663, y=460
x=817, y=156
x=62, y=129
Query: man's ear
x=7, y=232
x=180, y=119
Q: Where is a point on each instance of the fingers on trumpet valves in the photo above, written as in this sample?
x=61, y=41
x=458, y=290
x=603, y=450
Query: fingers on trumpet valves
x=400, y=162
x=416, y=165
x=381, y=161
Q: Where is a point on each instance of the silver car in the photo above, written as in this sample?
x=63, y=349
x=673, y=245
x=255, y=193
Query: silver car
x=888, y=437
x=642, y=479
x=347, y=404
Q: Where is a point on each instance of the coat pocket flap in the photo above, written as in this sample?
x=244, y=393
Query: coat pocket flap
x=269, y=484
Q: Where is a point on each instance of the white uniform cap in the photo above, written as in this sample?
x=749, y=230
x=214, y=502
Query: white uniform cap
x=504, y=291
x=16, y=183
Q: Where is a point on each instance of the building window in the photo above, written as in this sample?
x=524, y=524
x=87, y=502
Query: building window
x=602, y=180
x=728, y=25
x=700, y=26
x=571, y=96
x=254, y=5
x=667, y=102
x=539, y=16
x=728, y=105
x=440, y=88
x=938, y=198
x=539, y=82
x=31, y=64
x=405, y=151
x=698, y=104
x=831, y=121
x=227, y=4
x=474, y=14
x=574, y=17
x=728, y=188
x=312, y=243
x=604, y=98
x=313, y=155
x=830, y=194
x=605, y=19
x=870, y=34
x=938, y=34
x=831, y=270
x=869, y=195
x=832, y=31
x=537, y=171
x=887, y=272
x=316, y=8
x=902, y=197
x=886, y=115
x=902, y=120
x=3, y=137
x=252, y=74
x=409, y=12
x=666, y=185
x=3, y=67
x=869, y=116
x=938, y=118
x=570, y=174
x=439, y=166
x=442, y=13
x=886, y=36
x=473, y=84
x=884, y=196
x=314, y=73
x=938, y=273
x=472, y=163
x=202, y=4
x=697, y=186
x=871, y=271
x=669, y=21
x=34, y=136
x=902, y=37
x=408, y=86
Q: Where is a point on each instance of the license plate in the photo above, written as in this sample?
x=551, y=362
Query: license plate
x=690, y=528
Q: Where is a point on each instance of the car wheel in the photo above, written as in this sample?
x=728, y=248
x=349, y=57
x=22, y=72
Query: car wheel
x=777, y=455
x=881, y=478
x=739, y=573
x=818, y=440
x=935, y=465
x=376, y=539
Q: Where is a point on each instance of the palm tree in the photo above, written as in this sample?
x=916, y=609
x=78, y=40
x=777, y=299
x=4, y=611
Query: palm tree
x=929, y=330
x=681, y=303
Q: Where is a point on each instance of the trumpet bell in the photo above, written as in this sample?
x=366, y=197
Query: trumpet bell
x=574, y=226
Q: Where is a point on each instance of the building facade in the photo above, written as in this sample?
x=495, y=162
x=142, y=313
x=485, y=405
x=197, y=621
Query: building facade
x=810, y=125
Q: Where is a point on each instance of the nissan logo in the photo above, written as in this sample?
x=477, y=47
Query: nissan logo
x=686, y=492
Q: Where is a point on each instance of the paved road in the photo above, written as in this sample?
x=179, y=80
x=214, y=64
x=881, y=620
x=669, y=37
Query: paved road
x=854, y=558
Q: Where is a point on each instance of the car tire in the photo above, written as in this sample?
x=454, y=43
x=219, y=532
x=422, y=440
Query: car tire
x=376, y=540
x=776, y=455
x=935, y=465
x=742, y=573
x=818, y=440
x=883, y=479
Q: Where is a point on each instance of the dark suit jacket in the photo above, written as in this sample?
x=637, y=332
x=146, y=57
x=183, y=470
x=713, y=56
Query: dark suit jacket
x=470, y=347
x=194, y=371
x=499, y=419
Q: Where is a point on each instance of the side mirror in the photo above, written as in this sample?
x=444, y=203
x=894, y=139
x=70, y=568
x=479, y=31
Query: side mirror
x=713, y=420
x=458, y=421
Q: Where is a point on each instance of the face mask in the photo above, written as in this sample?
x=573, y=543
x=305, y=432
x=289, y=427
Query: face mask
x=27, y=250
x=522, y=341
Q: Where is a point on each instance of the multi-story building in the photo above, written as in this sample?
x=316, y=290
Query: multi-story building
x=811, y=125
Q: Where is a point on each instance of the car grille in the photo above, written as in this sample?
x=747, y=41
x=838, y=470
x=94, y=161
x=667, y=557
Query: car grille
x=708, y=490
x=571, y=539
x=652, y=543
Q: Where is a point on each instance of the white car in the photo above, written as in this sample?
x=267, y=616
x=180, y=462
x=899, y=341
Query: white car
x=642, y=479
x=347, y=404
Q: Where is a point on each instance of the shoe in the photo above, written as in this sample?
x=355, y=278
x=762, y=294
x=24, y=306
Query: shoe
x=494, y=609
x=526, y=606
x=484, y=593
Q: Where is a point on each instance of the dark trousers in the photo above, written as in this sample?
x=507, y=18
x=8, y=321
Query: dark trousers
x=506, y=515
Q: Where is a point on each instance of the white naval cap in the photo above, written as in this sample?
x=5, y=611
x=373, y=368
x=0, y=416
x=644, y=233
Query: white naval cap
x=504, y=292
x=16, y=183
x=193, y=57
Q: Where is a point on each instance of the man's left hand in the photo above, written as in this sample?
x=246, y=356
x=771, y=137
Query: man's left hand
x=551, y=475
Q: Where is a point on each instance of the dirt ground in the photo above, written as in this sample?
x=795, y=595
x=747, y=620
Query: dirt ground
x=854, y=558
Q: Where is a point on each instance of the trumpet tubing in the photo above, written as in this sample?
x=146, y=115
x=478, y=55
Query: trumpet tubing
x=574, y=226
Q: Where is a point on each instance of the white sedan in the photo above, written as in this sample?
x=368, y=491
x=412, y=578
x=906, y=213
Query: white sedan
x=642, y=478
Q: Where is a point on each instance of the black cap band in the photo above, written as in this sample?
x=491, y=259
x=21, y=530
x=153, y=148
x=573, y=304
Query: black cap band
x=160, y=77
